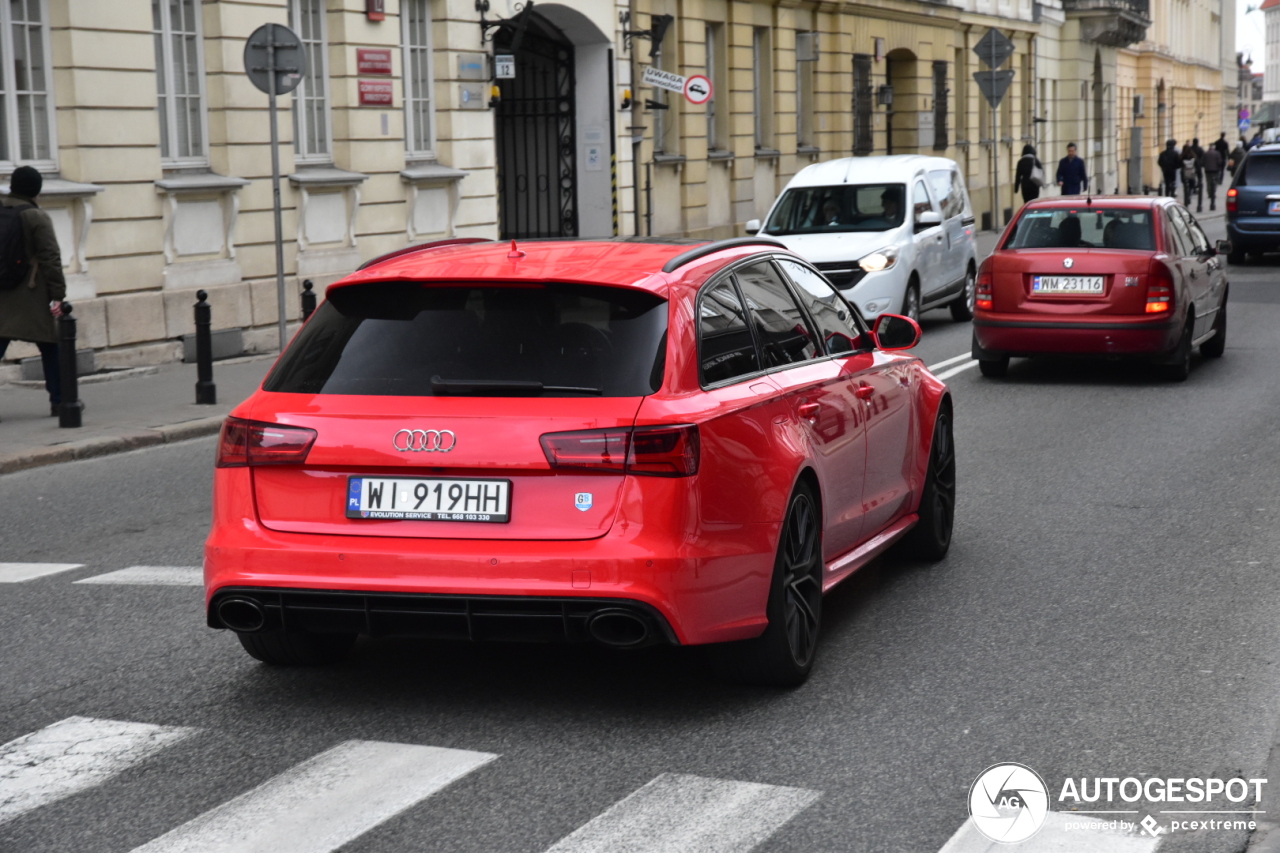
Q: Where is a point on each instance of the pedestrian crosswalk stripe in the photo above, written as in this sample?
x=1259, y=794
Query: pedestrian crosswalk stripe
x=1063, y=832
x=18, y=572
x=71, y=756
x=689, y=814
x=152, y=576
x=324, y=802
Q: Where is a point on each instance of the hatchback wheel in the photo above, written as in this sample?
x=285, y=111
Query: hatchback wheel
x=295, y=648
x=1180, y=368
x=931, y=537
x=1215, y=346
x=962, y=308
x=911, y=301
x=783, y=655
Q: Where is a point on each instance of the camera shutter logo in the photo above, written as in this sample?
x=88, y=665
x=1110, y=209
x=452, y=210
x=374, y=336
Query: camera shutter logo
x=424, y=440
x=1008, y=803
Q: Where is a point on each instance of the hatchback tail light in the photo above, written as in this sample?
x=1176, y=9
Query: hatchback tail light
x=1233, y=199
x=657, y=451
x=1159, y=289
x=983, y=290
x=255, y=443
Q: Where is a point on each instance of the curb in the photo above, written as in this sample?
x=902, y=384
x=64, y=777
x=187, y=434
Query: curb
x=106, y=445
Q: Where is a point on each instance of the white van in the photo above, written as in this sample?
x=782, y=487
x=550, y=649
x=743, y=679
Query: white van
x=893, y=234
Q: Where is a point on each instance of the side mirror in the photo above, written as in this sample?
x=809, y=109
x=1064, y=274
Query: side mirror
x=895, y=332
x=752, y=226
x=1223, y=247
x=928, y=219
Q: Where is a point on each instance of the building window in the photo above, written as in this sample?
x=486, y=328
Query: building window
x=806, y=63
x=940, y=93
x=717, y=119
x=863, y=99
x=419, y=81
x=26, y=112
x=311, y=126
x=762, y=86
x=180, y=79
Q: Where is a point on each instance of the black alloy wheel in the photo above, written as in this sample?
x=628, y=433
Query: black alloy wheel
x=931, y=537
x=962, y=308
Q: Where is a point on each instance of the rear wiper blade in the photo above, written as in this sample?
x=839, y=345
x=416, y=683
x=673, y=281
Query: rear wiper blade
x=501, y=387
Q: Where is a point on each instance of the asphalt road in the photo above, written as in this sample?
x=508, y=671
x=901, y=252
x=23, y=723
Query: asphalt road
x=1109, y=608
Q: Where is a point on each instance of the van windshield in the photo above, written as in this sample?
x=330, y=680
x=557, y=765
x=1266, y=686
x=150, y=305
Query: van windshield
x=846, y=207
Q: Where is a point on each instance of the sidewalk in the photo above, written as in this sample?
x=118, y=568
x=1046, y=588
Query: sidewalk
x=138, y=408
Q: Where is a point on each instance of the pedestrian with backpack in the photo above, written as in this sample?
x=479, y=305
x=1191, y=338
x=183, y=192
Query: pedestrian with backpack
x=32, y=286
x=1188, y=174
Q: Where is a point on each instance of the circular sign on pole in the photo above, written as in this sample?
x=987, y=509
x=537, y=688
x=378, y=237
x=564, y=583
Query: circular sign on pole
x=697, y=89
x=290, y=58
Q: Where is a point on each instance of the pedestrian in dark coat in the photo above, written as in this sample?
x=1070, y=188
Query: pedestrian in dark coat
x=1072, y=176
x=1224, y=151
x=1199, y=152
x=1188, y=174
x=27, y=311
x=1212, y=170
x=1169, y=163
x=1237, y=157
x=1022, y=178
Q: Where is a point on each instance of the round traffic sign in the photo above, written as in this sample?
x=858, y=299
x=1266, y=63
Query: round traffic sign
x=289, y=55
x=697, y=89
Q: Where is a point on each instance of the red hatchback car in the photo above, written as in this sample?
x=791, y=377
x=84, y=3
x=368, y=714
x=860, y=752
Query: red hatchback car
x=1117, y=276
x=625, y=442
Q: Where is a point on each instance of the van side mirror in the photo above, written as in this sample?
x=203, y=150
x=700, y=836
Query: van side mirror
x=752, y=226
x=928, y=219
x=895, y=332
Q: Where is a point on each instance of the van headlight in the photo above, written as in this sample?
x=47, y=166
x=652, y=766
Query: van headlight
x=880, y=259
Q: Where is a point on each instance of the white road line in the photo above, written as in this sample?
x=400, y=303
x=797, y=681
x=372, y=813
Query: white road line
x=71, y=756
x=689, y=814
x=324, y=802
x=1061, y=833
x=18, y=572
x=947, y=361
x=947, y=374
x=152, y=576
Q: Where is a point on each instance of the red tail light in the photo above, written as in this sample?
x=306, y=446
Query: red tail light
x=983, y=291
x=1159, y=289
x=253, y=443
x=1232, y=200
x=658, y=451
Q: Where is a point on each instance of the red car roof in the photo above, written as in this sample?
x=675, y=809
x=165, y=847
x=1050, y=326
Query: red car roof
x=611, y=262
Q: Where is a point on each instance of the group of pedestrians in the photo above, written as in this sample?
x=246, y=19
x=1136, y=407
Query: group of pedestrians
x=1199, y=169
x=1029, y=178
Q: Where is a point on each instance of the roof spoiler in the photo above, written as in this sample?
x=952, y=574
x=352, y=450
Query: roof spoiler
x=710, y=248
x=422, y=247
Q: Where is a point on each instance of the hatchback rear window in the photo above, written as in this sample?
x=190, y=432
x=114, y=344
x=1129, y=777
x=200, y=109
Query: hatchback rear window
x=1260, y=170
x=1084, y=228
x=410, y=339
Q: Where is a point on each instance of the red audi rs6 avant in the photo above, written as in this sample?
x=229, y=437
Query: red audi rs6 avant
x=1118, y=276
x=622, y=442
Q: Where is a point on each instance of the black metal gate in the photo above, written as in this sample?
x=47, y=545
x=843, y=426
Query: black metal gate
x=537, y=170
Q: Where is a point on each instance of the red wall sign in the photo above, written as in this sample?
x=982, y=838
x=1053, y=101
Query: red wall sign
x=375, y=10
x=373, y=60
x=375, y=93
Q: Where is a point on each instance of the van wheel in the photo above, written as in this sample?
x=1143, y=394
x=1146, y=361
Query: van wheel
x=962, y=308
x=295, y=648
x=911, y=301
x=783, y=655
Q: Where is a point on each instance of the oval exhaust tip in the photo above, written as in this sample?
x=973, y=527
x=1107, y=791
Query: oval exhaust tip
x=243, y=615
x=618, y=628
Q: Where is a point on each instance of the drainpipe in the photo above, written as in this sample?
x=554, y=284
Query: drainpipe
x=637, y=125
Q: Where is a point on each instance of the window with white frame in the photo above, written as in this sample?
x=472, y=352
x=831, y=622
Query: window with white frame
x=180, y=80
x=311, y=122
x=419, y=107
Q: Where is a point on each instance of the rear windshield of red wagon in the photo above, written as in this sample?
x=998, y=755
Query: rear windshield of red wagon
x=411, y=339
x=1085, y=228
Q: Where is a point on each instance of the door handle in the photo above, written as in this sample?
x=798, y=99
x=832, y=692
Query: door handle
x=864, y=392
x=809, y=410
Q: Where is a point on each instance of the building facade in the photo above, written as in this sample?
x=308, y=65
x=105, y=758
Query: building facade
x=419, y=120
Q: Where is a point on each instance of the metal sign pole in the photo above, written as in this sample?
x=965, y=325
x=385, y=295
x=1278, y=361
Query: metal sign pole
x=275, y=186
x=995, y=153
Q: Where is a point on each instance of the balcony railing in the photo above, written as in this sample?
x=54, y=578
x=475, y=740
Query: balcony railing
x=1112, y=22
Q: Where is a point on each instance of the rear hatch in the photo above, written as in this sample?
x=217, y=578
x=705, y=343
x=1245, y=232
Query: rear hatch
x=411, y=387
x=1075, y=262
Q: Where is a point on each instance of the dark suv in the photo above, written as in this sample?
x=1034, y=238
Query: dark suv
x=1253, y=204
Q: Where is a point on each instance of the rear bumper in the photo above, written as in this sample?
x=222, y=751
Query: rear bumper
x=1024, y=335
x=1254, y=233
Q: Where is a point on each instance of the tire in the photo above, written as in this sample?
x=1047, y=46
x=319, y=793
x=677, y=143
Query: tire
x=962, y=308
x=294, y=648
x=994, y=368
x=930, y=539
x=1236, y=259
x=1180, y=368
x=911, y=301
x=783, y=655
x=1215, y=346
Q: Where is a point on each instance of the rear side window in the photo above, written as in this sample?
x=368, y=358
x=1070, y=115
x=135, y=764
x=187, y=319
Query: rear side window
x=726, y=349
x=1085, y=227
x=411, y=339
x=948, y=190
x=784, y=333
x=1260, y=170
x=831, y=313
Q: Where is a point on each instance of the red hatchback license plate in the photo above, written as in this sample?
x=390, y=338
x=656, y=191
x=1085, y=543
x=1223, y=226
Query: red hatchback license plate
x=428, y=499
x=1088, y=284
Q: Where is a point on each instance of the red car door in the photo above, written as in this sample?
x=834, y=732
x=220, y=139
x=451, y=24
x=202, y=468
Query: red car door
x=887, y=386
x=1191, y=264
x=1207, y=277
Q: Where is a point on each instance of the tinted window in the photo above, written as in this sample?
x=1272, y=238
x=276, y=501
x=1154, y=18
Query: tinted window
x=920, y=200
x=1260, y=170
x=784, y=334
x=832, y=314
x=394, y=339
x=726, y=349
x=847, y=207
x=1084, y=227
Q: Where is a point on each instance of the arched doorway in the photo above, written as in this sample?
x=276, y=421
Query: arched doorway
x=902, y=127
x=553, y=127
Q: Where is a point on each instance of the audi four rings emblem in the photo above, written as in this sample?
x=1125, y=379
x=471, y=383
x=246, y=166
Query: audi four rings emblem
x=425, y=440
